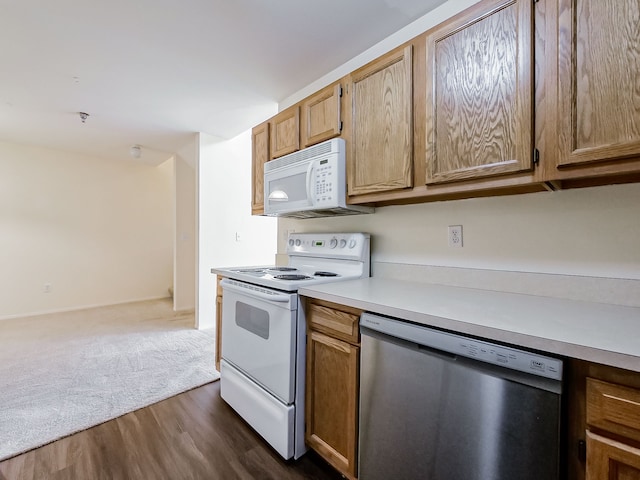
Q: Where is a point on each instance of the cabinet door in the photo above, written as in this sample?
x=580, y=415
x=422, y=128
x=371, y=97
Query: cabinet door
x=479, y=100
x=382, y=125
x=218, y=331
x=218, y=321
x=598, y=91
x=332, y=400
x=611, y=460
x=285, y=132
x=321, y=116
x=259, y=156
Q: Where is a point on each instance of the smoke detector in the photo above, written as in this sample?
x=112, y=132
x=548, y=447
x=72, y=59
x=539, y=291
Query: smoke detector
x=135, y=151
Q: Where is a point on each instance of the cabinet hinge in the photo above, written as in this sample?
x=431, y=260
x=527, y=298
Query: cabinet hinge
x=582, y=450
x=536, y=156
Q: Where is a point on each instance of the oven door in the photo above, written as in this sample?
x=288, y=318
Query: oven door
x=259, y=335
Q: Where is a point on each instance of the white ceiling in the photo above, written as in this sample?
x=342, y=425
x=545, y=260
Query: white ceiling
x=151, y=72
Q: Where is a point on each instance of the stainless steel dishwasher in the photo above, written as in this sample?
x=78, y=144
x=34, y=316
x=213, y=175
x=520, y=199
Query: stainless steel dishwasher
x=440, y=406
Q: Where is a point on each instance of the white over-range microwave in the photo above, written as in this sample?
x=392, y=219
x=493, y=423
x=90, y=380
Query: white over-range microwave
x=309, y=183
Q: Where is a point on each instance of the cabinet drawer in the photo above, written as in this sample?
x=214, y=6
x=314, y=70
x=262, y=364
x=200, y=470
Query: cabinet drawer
x=340, y=324
x=613, y=408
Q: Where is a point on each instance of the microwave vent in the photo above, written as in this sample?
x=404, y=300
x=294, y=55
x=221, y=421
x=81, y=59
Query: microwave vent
x=326, y=212
x=300, y=156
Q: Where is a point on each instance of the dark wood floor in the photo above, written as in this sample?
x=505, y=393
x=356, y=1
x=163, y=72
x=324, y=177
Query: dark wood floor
x=194, y=435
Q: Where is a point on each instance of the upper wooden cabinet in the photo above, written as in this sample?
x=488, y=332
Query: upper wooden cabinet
x=285, y=132
x=598, y=96
x=479, y=84
x=506, y=97
x=381, y=137
x=313, y=120
x=321, y=116
x=260, y=155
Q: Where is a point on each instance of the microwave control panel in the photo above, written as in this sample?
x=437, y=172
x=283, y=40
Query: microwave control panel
x=325, y=187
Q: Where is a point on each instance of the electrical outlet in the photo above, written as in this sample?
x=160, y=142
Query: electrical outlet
x=46, y=288
x=455, y=236
x=237, y=236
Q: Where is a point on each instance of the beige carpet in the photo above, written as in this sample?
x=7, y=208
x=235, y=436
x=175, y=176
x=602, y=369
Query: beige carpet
x=65, y=372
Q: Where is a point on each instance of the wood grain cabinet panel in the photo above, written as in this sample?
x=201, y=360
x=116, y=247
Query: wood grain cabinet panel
x=613, y=435
x=382, y=125
x=331, y=406
x=332, y=384
x=218, y=322
x=598, y=91
x=479, y=101
x=259, y=156
x=285, y=132
x=613, y=408
x=321, y=116
x=338, y=323
x=608, y=459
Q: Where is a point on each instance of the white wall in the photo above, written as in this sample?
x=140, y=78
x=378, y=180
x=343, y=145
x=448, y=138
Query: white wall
x=224, y=192
x=185, y=243
x=98, y=232
x=590, y=232
x=433, y=18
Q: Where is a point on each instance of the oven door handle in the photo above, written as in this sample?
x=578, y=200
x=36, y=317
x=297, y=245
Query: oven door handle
x=270, y=297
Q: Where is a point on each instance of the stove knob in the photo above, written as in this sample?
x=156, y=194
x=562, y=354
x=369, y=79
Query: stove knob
x=352, y=243
x=343, y=243
x=298, y=242
x=333, y=243
x=291, y=242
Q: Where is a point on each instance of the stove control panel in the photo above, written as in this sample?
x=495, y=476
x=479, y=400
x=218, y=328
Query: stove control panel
x=331, y=245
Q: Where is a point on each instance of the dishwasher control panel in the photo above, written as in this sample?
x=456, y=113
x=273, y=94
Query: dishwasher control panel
x=501, y=355
x=506, y=357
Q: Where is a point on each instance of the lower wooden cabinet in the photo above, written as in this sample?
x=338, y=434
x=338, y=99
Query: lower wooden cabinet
x=613, y=435
x=218, y=322
x=332, y=379
x=609, y=459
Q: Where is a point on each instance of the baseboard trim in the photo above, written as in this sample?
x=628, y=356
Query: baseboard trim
x=83, y=307
x=185, y=310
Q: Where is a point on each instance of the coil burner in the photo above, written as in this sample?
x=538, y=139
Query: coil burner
x=325, y=274
x=292, y=277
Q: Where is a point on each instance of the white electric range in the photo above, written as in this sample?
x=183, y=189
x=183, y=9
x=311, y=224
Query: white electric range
x=263, y=332
x=313, y=258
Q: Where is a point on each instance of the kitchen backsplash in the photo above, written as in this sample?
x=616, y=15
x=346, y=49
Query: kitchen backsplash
x=592, y=289
x=581, y=244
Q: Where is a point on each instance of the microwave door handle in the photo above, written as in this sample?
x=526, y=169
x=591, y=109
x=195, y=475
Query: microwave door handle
x=275, y=297
x=310, y=196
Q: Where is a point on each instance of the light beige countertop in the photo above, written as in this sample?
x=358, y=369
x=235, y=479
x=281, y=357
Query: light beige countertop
x=596, y=332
